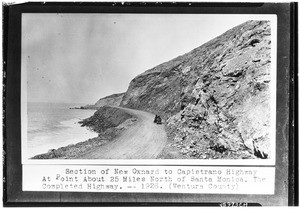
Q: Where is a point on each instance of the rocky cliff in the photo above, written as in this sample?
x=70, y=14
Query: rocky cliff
x=216, y=98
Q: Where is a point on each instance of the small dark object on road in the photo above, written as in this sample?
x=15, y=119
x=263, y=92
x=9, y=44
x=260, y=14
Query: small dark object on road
x=157, y=119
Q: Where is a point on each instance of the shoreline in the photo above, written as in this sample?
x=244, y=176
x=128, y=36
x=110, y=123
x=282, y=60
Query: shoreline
x=62, y=130
x=111, y=132
x=74, y=151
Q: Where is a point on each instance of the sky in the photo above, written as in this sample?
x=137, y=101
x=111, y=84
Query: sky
x=80, y=58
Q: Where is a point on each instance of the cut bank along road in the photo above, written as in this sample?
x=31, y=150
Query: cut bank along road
x=144, y=140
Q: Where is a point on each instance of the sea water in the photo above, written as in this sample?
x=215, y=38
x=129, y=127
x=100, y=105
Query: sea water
x=54, y=125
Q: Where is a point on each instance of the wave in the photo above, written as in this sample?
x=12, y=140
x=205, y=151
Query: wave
x=56, y=128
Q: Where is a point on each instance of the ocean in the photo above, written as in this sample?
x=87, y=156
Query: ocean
x=54, y=125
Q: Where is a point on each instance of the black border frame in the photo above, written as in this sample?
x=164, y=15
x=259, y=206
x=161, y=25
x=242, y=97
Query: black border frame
x=286, y=183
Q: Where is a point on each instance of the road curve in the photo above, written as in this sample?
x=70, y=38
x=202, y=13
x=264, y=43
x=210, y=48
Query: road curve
x=144, y=140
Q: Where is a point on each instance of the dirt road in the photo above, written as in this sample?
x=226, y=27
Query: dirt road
x=144, y=140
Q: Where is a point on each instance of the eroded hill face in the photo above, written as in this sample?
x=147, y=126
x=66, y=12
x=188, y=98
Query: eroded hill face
x=111, y=100
x=216, y=98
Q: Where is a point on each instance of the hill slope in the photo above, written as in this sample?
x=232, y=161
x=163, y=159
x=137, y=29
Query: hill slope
x=111, y=100
x=216, y=98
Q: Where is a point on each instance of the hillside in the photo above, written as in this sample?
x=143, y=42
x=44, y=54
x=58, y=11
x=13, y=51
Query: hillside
x=216, y=98
x=111, y=100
